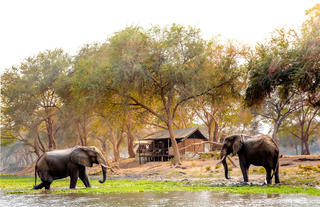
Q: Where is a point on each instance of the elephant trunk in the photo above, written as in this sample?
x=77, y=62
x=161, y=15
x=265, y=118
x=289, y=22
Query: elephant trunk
x=104, y=173
x=224, y=162
x=225, y=166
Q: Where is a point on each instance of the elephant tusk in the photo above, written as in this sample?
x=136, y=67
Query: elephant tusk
x=224, y=157
x=231, y=160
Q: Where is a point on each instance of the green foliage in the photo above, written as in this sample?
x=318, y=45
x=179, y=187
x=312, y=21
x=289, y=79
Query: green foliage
x=261, y=170
x=18, y=185
x=29, y=95
x=309, y=168
x=218, y=166
x=289, y=59
x=206, y=155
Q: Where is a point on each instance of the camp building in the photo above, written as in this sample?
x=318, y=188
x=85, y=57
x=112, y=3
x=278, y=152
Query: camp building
x=158, y=146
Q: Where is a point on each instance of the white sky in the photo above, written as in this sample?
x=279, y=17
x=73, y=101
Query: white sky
x=30, y=26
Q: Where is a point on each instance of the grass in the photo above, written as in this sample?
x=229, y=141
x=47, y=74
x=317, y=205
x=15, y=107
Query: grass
x=16, y=185
x=305, y=168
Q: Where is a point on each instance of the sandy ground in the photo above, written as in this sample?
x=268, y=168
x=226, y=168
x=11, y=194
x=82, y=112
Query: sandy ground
x=297, y=170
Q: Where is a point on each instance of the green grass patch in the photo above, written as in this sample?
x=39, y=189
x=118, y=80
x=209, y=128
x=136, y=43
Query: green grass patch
x=17, y=185
x=306, y=168
x=260, y=170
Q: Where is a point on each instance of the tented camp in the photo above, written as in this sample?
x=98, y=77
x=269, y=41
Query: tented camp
x=158, y=146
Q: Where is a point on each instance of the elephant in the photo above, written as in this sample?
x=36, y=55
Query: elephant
x=259, y=151
x=71, y=162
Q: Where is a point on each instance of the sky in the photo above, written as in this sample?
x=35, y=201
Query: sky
x=28, y=27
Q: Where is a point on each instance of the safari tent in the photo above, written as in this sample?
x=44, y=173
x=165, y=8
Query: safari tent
x=158, y=146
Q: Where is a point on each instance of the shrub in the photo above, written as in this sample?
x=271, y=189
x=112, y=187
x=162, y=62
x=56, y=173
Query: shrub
x=208, y=168
x=206, y=156
x=218, y=166
x=216, y=154
x=262, y=170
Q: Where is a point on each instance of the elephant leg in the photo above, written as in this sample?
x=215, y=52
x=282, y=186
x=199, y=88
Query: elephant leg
x=47, y=185
x=268, y=176
x=74, y=174
x=244, y=170
x=74, y=179
x=84, y=177
x=276, y=176
x=36, y=187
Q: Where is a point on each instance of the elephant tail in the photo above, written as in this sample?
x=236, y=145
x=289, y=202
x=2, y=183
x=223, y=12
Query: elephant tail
x=35, y=175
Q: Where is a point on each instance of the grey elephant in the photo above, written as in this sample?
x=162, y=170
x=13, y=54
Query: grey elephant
x=258, y=151
x=71, y=162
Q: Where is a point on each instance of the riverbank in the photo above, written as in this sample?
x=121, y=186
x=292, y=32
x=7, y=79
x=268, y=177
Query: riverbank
x=19, y=185
x=298, y=174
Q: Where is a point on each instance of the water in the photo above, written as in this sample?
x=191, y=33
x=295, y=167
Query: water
x=172, y=199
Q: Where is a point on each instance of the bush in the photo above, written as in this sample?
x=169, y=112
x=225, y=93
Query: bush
x=218, y=166
x=216, y=154
x=208, y=168
x=206, y=156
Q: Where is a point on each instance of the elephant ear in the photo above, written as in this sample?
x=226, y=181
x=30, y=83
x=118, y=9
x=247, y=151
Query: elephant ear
x=80, y=157
x=237, y=144
x=102, y=161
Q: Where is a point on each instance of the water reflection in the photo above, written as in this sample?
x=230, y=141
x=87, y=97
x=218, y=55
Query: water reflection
x=172, y=199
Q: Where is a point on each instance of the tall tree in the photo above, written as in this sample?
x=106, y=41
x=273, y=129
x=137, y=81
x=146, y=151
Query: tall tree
x=303, y=123
x=276, y=110
x=162, y=69
x=220, y=109
x=30, y=94
x=290, y=60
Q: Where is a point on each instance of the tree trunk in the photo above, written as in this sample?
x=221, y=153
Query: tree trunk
x=103, y=143
x=130, y=139
x=296, y=147
x=216, y=130
x=275, y=132
x=36, y=144
x=302, y=147
x=176, y=152
x=116, y=154
x=82, y=133
x=104, y=147
x=80, y=140
x=36, y=147
x=210, y=132
x=115, y=146
x=49, y=126
x=306, y=144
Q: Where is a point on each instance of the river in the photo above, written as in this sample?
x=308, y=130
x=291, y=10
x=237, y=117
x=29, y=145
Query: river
x=171, y=199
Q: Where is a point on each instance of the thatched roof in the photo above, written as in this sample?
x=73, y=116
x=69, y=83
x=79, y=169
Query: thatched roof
x=178, y=134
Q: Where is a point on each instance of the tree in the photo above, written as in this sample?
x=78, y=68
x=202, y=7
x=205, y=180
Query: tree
x=29, y=93
x=162, y=69
x=222, y=108
x=303, y=123
x=276, y=110
x=290, y=60
x=307, y=76
x=284, y=67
